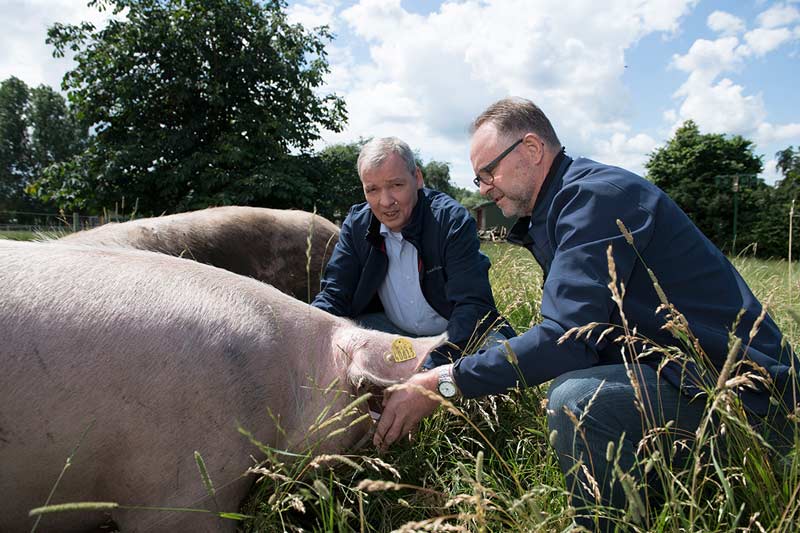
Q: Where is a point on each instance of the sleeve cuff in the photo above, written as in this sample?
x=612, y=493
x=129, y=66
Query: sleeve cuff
x=442, y=355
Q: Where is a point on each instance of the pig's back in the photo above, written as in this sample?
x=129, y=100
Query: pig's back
x=156, y=356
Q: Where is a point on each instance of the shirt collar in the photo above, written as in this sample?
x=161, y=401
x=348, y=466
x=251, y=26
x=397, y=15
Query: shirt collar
x=386, y=232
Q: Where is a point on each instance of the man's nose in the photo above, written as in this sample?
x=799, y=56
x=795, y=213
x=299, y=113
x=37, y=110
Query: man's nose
x=386, y=198
x=484, y=188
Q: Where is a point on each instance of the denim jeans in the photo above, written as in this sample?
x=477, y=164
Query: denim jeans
x=602, y=401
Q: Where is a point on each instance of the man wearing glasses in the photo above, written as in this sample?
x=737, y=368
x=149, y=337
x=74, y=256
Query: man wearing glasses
x=575, y=217
x=408, y=259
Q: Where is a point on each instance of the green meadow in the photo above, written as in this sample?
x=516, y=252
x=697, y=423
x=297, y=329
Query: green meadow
x=487, y=465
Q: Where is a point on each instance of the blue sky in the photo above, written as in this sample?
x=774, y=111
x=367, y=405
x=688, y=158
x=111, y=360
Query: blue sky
x=616, y=77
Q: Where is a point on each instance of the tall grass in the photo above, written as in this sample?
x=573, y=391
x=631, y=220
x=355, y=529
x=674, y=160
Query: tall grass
x=31, y=235
x=487, y=465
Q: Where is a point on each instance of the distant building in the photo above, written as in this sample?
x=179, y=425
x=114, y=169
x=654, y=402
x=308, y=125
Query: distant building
x=491, y=219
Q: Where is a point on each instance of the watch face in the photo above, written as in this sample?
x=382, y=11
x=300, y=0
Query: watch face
x=447, y=389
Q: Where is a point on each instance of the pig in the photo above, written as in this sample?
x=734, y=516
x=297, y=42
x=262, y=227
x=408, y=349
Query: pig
x=269, y=245
x=137, y=359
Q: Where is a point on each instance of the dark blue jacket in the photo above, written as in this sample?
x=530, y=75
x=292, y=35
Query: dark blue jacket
x=453, y=273
x=572, y=224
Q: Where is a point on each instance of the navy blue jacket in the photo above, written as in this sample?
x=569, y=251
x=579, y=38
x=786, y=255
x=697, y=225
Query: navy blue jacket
x=453, y=273
x=572, y=224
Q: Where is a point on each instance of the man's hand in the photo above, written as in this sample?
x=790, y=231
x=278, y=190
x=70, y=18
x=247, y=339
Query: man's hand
x=404, y=408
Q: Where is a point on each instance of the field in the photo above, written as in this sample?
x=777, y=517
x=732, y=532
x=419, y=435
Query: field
x=30, y=235
x=487, y=466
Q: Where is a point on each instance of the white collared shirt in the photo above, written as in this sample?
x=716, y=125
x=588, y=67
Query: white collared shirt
x=400, y=292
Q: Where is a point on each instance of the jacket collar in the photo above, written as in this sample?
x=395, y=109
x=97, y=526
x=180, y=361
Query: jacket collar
x=519, y=233
x=411, y=231
x=557, y=170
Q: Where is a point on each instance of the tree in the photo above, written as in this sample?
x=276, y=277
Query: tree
x=194, y=103
x=14, y=143
x=774, y=222
x=688, y=168
x=468, y=198
x=788, y=162
x=37, y=129
x=437, y=176
x=56, y=133
x=339, y=184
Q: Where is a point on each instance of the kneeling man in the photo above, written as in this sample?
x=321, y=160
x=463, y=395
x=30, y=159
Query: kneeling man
x=408, y=259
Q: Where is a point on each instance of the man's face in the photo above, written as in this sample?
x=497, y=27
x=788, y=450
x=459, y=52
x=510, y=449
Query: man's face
x=391, y=191
x=513, y=183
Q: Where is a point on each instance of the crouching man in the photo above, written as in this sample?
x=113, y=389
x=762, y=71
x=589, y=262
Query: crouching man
x=408, y=260
x=576, y=216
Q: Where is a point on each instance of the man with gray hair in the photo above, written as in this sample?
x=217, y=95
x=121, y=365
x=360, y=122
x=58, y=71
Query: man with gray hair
x=408, y=259
x=578, y=218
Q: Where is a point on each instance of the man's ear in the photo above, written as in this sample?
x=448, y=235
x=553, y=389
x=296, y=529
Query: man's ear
x=420, y=182
x=535, y=147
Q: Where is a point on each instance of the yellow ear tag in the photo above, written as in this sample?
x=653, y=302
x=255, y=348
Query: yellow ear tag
x=402, y=350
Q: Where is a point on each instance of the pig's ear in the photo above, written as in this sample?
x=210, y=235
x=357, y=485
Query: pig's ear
x=433, y=342
x=441, y=339
x=344, y=343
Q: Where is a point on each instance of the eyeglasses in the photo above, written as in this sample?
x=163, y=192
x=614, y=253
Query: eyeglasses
x=484, y=175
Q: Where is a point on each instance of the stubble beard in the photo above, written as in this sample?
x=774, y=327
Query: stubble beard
x=520, y=204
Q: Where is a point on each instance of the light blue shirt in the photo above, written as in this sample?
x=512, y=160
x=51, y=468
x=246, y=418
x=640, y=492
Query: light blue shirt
x=400, y=292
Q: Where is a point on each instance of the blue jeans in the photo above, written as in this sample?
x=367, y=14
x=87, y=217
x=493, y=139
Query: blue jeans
x=602, y=401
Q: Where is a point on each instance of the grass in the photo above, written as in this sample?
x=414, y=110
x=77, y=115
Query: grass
x=30, y=235
x=487, y=465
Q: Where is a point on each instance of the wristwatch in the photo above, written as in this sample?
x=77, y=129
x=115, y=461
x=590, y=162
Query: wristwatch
x=447, y=386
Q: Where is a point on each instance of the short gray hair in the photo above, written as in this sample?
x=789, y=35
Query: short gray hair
x=514, y=117
x=375, y=152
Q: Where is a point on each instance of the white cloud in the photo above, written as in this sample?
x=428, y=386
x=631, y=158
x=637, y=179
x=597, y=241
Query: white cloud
x=725, y=23
x=724, y=106
x=720, y=108
x=429, y=75
x=762, y=40
x=313, y=13
x=627, y=152
x=778, y=15
x=706, y=59
x=23, y=30
x=768, y=133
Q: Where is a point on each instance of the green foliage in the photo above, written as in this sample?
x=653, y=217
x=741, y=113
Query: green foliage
x=468, y=198
x=437, y=176
x=694, y=170
x=766, y=222
x=789, y=162
x=57, y=134
x=771, y=228
x=194, y=103
x=14, y=142
x=37, y=129
x=339, y=184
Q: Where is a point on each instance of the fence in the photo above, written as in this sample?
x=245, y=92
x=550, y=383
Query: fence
x=47, y=222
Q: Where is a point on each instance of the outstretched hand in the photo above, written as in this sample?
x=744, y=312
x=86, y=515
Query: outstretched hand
x=404, y=407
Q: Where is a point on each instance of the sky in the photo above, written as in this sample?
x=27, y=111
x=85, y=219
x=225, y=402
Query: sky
x=616, y=78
